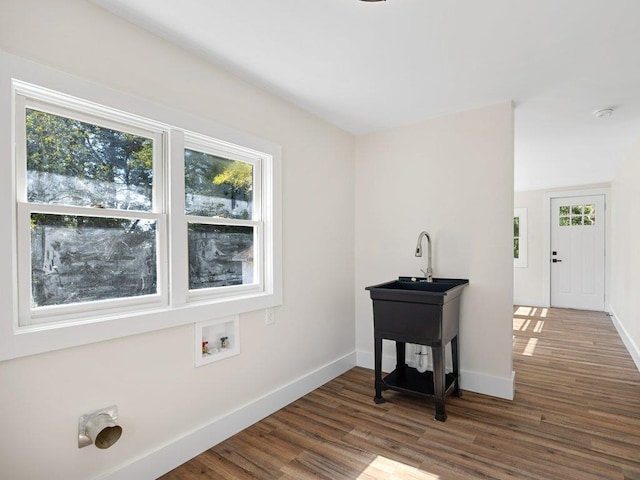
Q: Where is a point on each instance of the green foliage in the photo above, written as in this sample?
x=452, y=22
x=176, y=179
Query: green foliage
x=90, y=154
x=78, y=222
x=199, y=172
x=215, y=178
x=238, y=175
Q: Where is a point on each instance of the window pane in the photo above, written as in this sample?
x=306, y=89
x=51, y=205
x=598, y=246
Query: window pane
x=516, y=248
x=516, y=226
x=220, y=255
x=587, y=220
x=70, y=162
x=217, y=187
x=82, y=259
x=564, y=210
x=589, y=209
x=576, y=220
x=576, y=209
x=564, y=221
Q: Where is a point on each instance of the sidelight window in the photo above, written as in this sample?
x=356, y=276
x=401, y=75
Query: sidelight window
x=520, y=237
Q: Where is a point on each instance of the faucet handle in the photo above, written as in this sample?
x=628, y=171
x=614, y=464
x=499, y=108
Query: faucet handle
x=428, y=273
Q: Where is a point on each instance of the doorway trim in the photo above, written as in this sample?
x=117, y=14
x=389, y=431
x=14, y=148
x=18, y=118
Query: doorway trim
x=546, y=238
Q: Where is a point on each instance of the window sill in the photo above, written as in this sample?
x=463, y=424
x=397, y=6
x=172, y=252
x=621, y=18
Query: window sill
x=35, y=339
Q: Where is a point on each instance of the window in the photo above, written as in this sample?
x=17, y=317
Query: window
x=577, y=215
x=222, y=208
x=119, y=215
x=90, y=209
x=520, y=237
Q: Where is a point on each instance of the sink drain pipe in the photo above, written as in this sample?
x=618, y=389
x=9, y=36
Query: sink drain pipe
x=422, y=364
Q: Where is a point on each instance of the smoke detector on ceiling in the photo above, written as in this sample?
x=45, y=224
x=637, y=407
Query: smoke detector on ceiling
x=603, y=112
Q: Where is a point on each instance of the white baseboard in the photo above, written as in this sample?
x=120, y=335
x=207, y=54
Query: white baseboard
x=633, y=349
x=471, y=381
x=170, y=456
x=501, y=387
x=366, y=360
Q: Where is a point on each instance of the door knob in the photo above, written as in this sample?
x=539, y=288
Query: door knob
x=555, y=260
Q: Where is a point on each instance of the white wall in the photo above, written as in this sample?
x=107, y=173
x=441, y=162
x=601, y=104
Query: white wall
x=625, y=301
x=453, y=177
x=151, y=377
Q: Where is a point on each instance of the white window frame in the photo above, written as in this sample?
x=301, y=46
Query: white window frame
x=521, y=213
x=31, y=97
x=174, y=305
x=199, y=143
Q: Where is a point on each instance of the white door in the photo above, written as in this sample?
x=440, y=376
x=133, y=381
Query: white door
x=577, y=252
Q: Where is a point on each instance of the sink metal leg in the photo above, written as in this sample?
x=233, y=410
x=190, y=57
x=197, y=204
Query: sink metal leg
x=455, y=360
x=401, y=358
x=377, y=352
x=438, y=381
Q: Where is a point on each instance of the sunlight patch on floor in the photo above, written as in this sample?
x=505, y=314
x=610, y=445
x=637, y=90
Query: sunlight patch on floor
x=524, y=321
x=531, y=347
x=521, y=324
x=524, y=311
x=532, y=312
x=382, y=468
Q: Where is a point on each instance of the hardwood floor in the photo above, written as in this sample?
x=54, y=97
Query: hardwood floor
x=575, y=416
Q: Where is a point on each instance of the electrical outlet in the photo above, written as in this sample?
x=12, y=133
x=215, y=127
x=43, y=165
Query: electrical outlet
x=270, y=317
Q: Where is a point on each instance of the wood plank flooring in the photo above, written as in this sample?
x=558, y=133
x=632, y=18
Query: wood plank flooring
x=575, y=416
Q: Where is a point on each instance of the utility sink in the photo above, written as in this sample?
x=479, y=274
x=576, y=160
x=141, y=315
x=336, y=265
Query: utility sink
x=412, y=310
x=438, y=287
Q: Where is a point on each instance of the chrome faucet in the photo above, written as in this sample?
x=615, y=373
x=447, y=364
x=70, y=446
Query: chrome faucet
x=429, y=272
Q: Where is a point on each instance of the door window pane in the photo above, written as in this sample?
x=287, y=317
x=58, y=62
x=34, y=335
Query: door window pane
x=217, y=187
x=75, y=163
x=220, y=255
x=78, y=259
x=577, y=215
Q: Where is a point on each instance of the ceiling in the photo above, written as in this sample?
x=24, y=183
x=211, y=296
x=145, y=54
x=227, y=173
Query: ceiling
x=367, y=67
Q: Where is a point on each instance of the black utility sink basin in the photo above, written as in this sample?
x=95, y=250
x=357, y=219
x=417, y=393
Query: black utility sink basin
x=439, y=286
x=412, y=310
x=416, y=311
